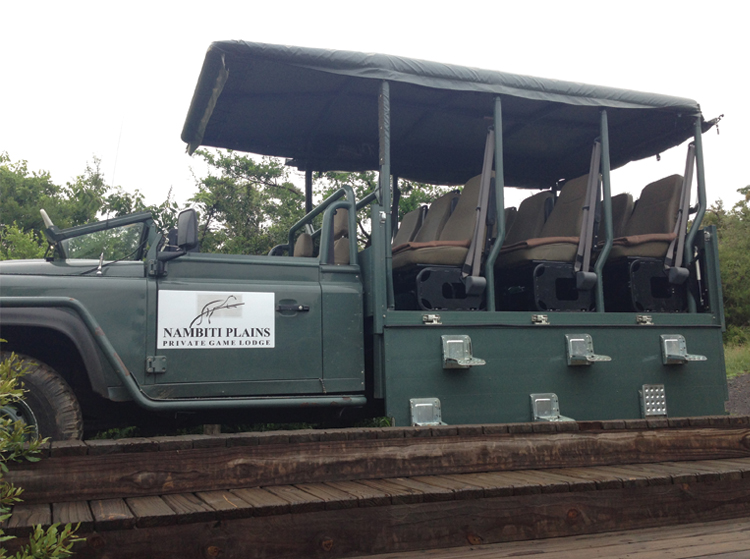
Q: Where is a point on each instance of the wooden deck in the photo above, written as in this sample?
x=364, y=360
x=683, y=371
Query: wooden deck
x=350, y=493
x=727, y=539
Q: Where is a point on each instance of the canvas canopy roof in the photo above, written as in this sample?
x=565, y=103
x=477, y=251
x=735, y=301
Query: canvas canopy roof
x=320, y=108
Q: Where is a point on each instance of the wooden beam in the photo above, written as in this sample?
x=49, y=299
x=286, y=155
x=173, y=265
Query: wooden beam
x=207, y=467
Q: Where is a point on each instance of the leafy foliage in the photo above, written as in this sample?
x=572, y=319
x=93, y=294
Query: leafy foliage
x=19, y=442
x=16, y=243
x=87, y=198
x=733, y=229
x=246, y=207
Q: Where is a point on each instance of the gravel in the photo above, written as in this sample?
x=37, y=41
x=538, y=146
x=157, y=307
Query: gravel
x=739, y=395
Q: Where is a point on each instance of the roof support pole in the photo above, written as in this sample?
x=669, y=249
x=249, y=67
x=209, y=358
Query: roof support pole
x=607, y=211
x=394, y=207
x=698, y=219
x=384, y=186
x=308, y=189
x=489, y=272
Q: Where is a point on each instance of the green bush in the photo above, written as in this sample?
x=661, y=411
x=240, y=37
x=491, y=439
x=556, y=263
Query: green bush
x=18, y=441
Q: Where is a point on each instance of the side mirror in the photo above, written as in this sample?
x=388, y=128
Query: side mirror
x=187, y=230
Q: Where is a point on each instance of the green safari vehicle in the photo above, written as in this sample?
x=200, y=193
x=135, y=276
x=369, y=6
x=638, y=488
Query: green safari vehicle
x=575, y=305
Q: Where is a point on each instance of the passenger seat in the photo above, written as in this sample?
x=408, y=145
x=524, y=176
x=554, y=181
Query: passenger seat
x=635, y=279
x=410, y=226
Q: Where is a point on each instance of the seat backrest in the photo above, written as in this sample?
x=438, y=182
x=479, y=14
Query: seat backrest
x=340, y=224
x=304, y=245
x=410, y=226
x=529, y=218
x=565, y=219
x=437, y=216
x=461, y=223
x=656, y=209
x=622, y=208
x=510, y=218
x=341, y=237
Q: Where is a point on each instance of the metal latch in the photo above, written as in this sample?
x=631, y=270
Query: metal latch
x=541, y=319
x=156, y=364
x=674, y=350
x=581, y=350
x=653, y=400
x=425, y=411
x=644, y=319
x=431, y=319
x=457, y=352
x=546, y=407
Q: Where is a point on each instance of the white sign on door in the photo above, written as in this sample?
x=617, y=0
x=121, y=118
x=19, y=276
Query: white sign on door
x=215, y=320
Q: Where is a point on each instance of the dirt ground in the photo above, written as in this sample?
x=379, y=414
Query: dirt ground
x=739, y=395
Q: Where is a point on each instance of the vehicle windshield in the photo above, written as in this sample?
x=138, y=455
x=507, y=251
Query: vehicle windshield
x=117, y=243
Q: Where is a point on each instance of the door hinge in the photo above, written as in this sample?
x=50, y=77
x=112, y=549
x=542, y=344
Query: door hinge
x=433, y=319
x=156, y=268
x=541, y=319
x=156, y=364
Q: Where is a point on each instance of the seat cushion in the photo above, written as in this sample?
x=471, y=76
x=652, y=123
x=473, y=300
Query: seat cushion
x=653, y=246
x=557, y=249
x=445, y=255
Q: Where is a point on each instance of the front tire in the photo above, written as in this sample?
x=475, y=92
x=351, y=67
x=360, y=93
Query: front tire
x=49, y=403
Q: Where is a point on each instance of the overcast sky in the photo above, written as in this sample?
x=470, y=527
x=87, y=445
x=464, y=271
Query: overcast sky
x=114, y=79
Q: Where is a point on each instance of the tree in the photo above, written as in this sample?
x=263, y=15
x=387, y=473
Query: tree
x=84, y=200
x=23, y=193
x=733, y=230
x=246, y=207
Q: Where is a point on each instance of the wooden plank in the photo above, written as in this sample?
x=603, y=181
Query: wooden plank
x=73, y=512
x=26, y=516
x=299, y=500
x=521, y=484
x=721, y=471
x=602, y=477
x=333, y=498
x=275, y=462
x=189, y=508
x=430, y=493
x=549, y=481
x=111, y=514
x=151, y=511
x=262, y=502
x=366, y=496
x=400, y=528
x=742, y=464
x=635, y=476
x=693, y=472
x=58, y=449
x=225, y=503
x=492, y=484
x=399, y=494
x=672, y=542
x=461, y=489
